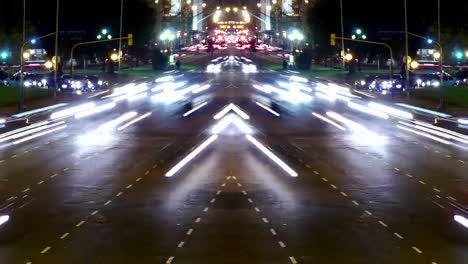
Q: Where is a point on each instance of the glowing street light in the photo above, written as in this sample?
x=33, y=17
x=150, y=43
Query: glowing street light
x=26, y=55
x=437, y=55
x=114, y=56
x=348, y=57
x=414, y=65
x=104, y=31
x=458, y=55
x=358, y=31
x=48, y=64
x=4, y=55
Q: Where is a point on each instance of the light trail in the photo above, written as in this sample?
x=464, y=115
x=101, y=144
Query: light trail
x=193, y=110
x=191, y=156
x=331, y=122
x=39, y=135
x=272, y=156
x=268, y=109
x=136, y=120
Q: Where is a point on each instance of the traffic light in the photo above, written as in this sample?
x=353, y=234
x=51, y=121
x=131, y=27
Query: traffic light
x=130, y=40
x=4, y=55
x=333, y=40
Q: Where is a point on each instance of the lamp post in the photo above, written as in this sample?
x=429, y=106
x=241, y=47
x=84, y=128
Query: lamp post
x=342, y=34
x=120, y=40
x=406, y=50
x=56, y=48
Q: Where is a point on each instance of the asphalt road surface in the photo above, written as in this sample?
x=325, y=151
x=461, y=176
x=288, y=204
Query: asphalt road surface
x=365, y=192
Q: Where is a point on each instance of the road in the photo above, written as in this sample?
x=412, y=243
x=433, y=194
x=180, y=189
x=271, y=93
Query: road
x=371, y=193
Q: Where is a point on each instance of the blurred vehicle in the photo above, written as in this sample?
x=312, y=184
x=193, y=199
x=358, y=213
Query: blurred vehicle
x=382, y=84
x=461, y=77
x=80, y=84
x=4, y=80
x=433, y=80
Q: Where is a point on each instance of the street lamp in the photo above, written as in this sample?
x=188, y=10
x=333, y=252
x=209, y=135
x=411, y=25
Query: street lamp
x=414, y=65
x=348, y=57
x=4, y=55
x=458, y=55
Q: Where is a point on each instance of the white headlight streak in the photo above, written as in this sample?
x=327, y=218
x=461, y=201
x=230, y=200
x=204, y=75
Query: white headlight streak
x=272, y=156
x=268, y=109
x=231, y=107
x=39, y=134
x=193, y=110
x=98, y=109
x=390, y=110
x=136, y=120
x=191, y=156
x=424, y=134
x=72, y=111
x=367, y=110
x=331, y=122
x=4, y=219
x=461, y=220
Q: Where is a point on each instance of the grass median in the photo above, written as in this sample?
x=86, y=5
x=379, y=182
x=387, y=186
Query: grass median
x=9, y=94
x=456, y=96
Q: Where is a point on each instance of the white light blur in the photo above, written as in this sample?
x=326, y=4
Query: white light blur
x=390, y=110
x=424, y=110
x=463, y=121
x=136, y=120
x=72, y=111
x=165, y=79
x=456, y=135
x=228, y=120
x=331, y=122
x=368, y=110
x=234, y=108
x=137, y=97
x=4, y=219
x=35, y=111
x=249, y=68
x=193, y=110
x=294, y=85
x=31, y=131
x=351, y=124
x=9, y=133
x=191, y=156
x=213, y=68
x=262, y=88
x=295, y=78
x=272, y=156
x=268, y=109
x=461, y=220
x=43, y=133
x=201, y=89
x=424, y=135
x=436, y=132
x=96, y=110
x=111, y=125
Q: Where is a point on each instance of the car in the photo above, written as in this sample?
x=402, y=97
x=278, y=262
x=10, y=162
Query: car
x=461, y=77
x=4, y=80
x=433, y=80
x=80, y=84
x=382, y=84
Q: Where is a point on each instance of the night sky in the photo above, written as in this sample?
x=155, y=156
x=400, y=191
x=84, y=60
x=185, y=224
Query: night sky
x=372, y=15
